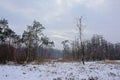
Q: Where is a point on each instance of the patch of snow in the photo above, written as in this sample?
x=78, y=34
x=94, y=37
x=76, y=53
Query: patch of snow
x=61, y=71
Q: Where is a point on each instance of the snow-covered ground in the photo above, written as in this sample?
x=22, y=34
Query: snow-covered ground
x=61, y=71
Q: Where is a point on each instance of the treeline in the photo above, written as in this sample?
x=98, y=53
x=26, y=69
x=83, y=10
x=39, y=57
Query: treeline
x=31, y=45
x=97, y=48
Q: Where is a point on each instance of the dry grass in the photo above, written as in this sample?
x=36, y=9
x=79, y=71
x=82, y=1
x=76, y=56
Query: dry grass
x=110, y=62
x=71, y=60
x=65, y=60
x=58, y=60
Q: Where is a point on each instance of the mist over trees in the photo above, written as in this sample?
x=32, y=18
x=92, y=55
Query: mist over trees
x=34, y=45
x=97, y=48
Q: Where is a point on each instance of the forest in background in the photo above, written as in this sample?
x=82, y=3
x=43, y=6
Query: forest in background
x=33, y=45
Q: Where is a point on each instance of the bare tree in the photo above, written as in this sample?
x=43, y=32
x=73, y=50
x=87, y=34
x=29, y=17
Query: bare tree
x=80, y=28
x=66, y=49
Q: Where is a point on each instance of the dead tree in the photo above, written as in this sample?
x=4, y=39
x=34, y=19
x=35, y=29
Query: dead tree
x=80, y=28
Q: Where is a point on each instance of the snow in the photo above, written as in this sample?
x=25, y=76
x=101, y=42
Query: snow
x=61, y=71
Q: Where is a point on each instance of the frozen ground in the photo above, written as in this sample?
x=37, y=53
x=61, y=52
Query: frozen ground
x=61, y=71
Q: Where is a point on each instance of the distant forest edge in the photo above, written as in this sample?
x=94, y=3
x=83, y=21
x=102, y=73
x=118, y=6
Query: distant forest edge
x=33, y=45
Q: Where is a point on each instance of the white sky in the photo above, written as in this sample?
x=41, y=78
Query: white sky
x=59, y=17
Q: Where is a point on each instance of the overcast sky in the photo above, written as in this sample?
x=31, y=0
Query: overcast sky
x=59, y=17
